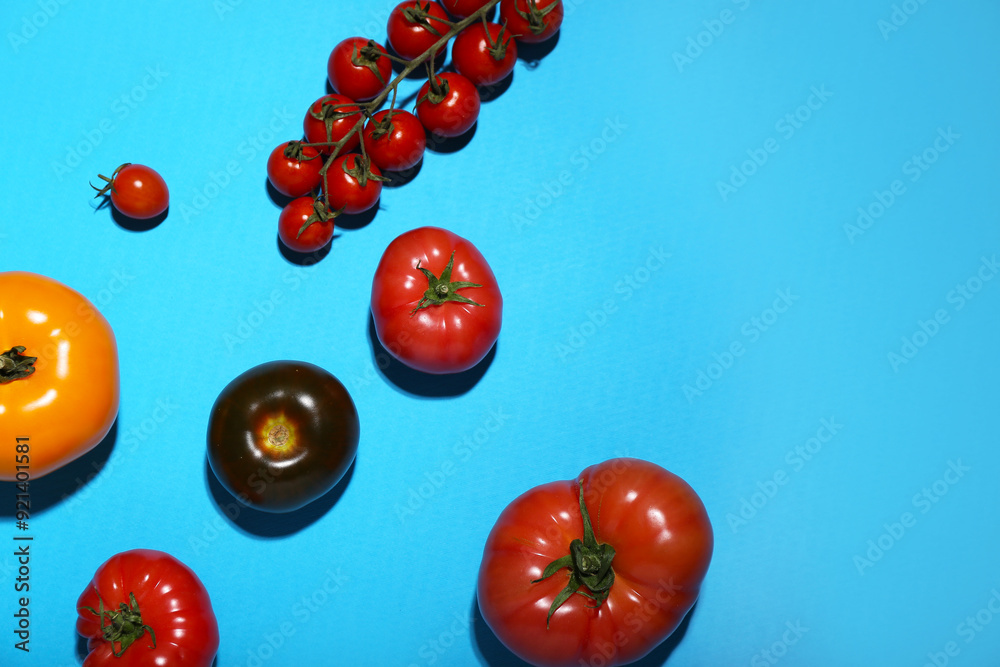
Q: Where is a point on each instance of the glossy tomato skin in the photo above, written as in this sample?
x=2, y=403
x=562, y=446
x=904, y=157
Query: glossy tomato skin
x=410, y=40
x=518, y=25
x=282, y=434
x=291, y=177
x=140, y=192
x=446, y=338
x=402, y=147
x=70, y=402
x=456, y=113
x=315, y=129
x=357, y=82
x=293, y=216
x=473, y=59
x=463, y=8
x=346, y=192
x=172, y=601
x=663, y=544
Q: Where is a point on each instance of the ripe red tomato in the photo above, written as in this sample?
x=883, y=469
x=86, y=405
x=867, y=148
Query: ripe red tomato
x=293, y=169
x=484, y=57
x=414, y=26
x=136, y=191
x=359, y=68
x=598, y=569
x=330, y=119
x=395, y=142
x=532, y=21
x=145, y=607
x=453, y=109
x=282, y=434
x=353, y=184
x=305, y=225
x=435, y=301
x=462, y=8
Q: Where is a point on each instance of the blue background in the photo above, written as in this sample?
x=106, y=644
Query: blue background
x=605, y=155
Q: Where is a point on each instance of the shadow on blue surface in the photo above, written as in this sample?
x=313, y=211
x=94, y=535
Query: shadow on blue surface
x=136, y=225
x=446, y=145
x=491, y=652
x=304, y=258
x=532, y=54
x=64, y=483
x=428, y=385
x=267, y=524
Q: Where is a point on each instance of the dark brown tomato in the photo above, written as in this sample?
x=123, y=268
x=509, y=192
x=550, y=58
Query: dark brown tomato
x=282, y=435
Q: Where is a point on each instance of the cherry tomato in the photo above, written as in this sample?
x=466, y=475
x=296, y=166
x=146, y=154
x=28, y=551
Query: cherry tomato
x=352, y=184
x=59, y=383
x=305, y=225
x=395, y=142
x=532, y=21
x=293, y=169
x=145, y=608
x=329, y=121
x=414, y=27
x=484, y=57
x=136, y=191
x=359, y=68
x=598, y=569
x=463, y=8
x=435, y=301
x=282, y=435
x=453, y=109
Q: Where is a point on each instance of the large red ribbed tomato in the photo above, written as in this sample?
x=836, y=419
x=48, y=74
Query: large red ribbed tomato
x=435, y=301
x=596, y=570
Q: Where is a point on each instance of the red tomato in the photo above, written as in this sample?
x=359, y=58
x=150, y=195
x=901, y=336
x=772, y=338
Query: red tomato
x=154, y=594
x=305, y=225
x=414, y=26
x=453, y=109
x=641, y=543
x=484, y=58
x=293, y=169
x=532, y=21
x=395, y=143
x=435, y=301
x=328, y=120
x=353, y=185
x=136, y=191
x=359, y=68
x=462, y=8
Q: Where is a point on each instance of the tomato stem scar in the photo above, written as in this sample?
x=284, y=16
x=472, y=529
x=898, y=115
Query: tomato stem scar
x=443, y=289
x=278, y=435
x=123, y=626
x=14, y=365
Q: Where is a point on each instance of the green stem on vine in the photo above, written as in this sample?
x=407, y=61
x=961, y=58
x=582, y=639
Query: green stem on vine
x=123, y=626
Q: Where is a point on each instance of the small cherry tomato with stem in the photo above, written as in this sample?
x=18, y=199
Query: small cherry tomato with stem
x=293, y=169
x=415, y=26
x=136, y=191
x=532, y=21
x=306, y=224
x=394, y=140
x=448, y=105
x=330, y=119
x=353, y=184
x=484, y=53
x=359, y=68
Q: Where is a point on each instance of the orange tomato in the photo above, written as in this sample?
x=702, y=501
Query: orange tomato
x=67, y=404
